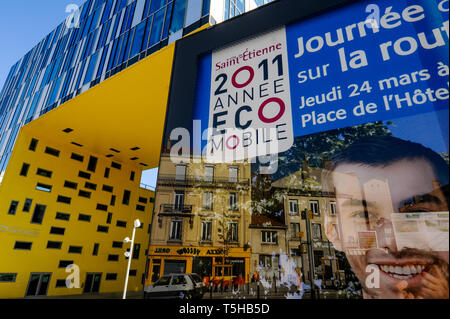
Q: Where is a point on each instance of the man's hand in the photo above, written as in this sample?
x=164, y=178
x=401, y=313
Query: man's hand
x=402, y=293
x=435, y=286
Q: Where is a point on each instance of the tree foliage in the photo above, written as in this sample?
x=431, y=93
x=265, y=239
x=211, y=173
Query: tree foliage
x=318, y=147
x=314, y=149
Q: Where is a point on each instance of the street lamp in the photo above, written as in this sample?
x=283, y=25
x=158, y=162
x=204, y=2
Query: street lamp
x=129, y=254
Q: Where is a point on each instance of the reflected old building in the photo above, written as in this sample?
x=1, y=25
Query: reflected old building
x=268, y=241
x=299, y=195
x=201, y=220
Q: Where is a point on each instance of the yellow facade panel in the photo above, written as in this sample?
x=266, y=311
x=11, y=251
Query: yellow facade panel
x=19, y=227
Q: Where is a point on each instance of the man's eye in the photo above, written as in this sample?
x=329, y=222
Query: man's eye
x=362, y=214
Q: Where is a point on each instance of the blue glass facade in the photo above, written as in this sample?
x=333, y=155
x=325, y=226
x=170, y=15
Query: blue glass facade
x=233, y=8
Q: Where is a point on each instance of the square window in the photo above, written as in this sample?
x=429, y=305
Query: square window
x=84, y=175
x=180, y=173
x=60, y=283
x=90, y=186
x=107, y=188
x=76, y=144
x=233, y=174
x=126, y=197
x=209, y=174
x=233, y=202
x=95, y=250
x=269, y=237
x=63, y=199
x=208, y=200
x=62, y=216
x=295, y=230
x=175, y=230
x=82, y=193
x=23, y=245
x=24, y=169
x=102, y=229
x=75, y=249
x=92, y=165
x=52, y=151
x=102, y=207
x=33, y=144
x=44, y=172
x=206, y=230
x=111, y=276
x=117, y=244
x=27, y=205
x=65, y=263
x=316, y=231
x=13, y=207
x=54, y=244
x=57, y=230
x=233, y=232
x=84, y=218
x=109, y=218
x=121, y=223
x=77, y=157
x=113, y=257
x=71, y=185
x=133, y=273
x=116, y=165
x=333, y=208
x=136, y=251
x=293, y=207
x=8, y=277
x=44, y=187
x=38, y=214
x=314, y=207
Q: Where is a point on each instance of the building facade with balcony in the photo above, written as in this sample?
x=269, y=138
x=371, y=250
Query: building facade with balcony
x=305, y=195
x=201, y=220
x=269, y=239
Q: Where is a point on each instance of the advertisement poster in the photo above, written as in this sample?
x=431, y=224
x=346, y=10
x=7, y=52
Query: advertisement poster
x=350, y=110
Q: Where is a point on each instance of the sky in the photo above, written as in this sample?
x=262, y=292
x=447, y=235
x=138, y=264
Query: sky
x=23, y=24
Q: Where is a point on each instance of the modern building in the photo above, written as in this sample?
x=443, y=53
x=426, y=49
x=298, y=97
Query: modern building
x=81, y=116
x=61, y=206
x=106, y=37
x=201, y=220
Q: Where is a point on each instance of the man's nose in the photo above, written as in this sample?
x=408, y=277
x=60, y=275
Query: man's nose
x=385, y=235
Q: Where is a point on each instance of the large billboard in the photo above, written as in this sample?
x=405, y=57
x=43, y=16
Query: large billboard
x=314, y=137
x=362, y=63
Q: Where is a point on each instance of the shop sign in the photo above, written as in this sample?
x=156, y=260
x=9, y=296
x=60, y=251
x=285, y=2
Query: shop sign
x=192, y=251
x=219, y=251
x=189, y=250
x=162, y=250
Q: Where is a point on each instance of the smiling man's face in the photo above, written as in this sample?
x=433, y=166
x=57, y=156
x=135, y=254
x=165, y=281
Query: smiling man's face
x=381, y=224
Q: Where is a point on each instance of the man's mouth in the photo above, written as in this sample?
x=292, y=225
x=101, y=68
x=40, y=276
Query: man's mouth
x=402, y=271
